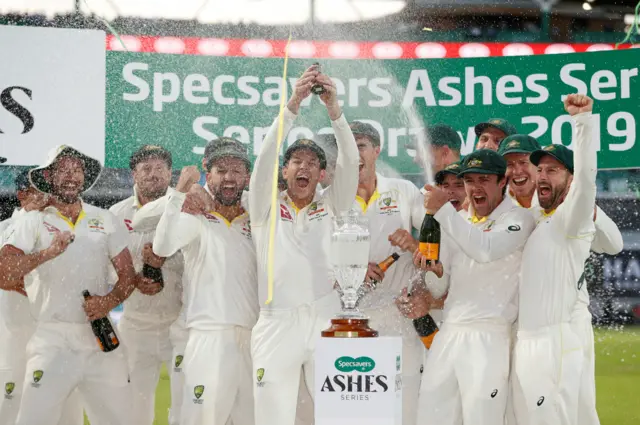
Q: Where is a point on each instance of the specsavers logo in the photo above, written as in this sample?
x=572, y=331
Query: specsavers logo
x=349, y=364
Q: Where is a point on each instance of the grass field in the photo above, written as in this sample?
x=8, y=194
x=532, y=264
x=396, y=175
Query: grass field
x=617, y=379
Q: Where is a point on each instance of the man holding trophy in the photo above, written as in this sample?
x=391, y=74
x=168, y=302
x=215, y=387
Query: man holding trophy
x=283, y=340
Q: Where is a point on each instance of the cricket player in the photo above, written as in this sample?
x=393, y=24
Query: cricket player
x=465, y=379
x=522, y=176
x=548, y=355
x=429, y=298
x=444, y=147
x=394, y=207
x=151, y=312
x=491, y=133
x=69, y=247
x=283, y=340
x=220, y=280
x=17, y=325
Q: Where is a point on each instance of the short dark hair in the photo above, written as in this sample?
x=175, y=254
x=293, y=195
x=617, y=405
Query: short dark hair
x=150, y=151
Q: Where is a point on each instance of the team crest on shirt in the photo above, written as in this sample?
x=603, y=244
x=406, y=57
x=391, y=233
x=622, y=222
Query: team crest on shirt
x=198, y=390
x=37, y=377
x=388, y=204
x=259, y=377
x=246, y=229
x=285, y=215
x=8, y=390
x=317, y=211
x=51, y=228
x=96, y=224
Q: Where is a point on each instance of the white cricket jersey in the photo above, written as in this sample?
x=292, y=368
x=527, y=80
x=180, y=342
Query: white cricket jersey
x=160, y=310
x=302, y=273
x=481, y=260
x=15, y=311
x=554, y=256
x=395, y=204
x=99, y=237
x=219, y=264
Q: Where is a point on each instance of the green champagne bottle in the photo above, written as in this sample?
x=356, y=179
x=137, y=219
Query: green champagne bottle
x=430, y=238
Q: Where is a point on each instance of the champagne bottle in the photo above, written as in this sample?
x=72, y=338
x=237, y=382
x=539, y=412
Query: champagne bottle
x=387, y=262
x=153, y=273
x=102, y=329
x=426, y=328
x=317, y=88
x=430, y=238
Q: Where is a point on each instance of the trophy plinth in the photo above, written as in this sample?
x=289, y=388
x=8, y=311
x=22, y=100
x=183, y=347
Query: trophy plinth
x=349, y=327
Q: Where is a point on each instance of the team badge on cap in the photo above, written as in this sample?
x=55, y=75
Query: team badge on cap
x=475, y=163
x=513, y=144
x=549, y=148
x=453, y=166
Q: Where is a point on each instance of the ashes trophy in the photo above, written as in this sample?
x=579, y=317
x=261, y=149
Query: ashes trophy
x=349, y=258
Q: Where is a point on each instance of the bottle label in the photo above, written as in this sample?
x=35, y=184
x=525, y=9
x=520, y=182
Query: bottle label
x=431, y=251
x=428, y=340
x=100, y=344
x=113, y=337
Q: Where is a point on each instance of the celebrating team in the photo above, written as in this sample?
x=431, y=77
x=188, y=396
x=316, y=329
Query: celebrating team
x=517, y=220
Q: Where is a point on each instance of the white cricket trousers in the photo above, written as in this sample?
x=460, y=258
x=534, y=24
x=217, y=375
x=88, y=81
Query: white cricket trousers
x=466, y=377
x=283, y=344
x=388, y=321
x=146, y=351
x=548, y=364
x=13, y=363
x=217, y=377
x=581, y=325
x=178, y=334
x=64, y=356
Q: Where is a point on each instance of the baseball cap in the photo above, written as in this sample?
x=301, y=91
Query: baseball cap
x=22, y=181
x=225, y=147
x=500, y=123
x=440, y=135
x=483, y=161
x=453, y=168
x=559, y=152
x=364, y=129
x=518, y=143
x=150, y=151
x=309, y=145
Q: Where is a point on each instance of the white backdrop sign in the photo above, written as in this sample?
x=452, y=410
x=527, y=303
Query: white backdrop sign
x=358, y=381
x=52, y=92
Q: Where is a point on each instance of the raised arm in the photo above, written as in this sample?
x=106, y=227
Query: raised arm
x=261, y=183
x=608, y=239
x=344, y=187
x=485, y=247
x=177, y=229
x=576, y=212
x=146, y=219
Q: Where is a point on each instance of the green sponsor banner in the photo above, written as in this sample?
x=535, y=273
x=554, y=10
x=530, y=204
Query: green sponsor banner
x=182, y=101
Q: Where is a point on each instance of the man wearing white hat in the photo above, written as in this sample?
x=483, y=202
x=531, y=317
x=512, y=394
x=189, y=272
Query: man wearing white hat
x=69, y=247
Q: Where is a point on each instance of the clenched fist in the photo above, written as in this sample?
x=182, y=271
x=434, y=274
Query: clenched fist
x=578, y=103
x=188, y=177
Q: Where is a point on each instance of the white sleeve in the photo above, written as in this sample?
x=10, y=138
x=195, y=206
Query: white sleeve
x=417, y=206
x=576, y=212
x=175, y=229
x=260, y=185
x=344, y=187
x=608, y=239
x=23, y=232
x=118, y=237
x=484, y=247
x=146, y=219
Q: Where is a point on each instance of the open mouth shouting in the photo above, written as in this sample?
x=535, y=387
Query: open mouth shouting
x=456, y=204
x=519, y=181
x=479, y=200
x=544, y=190
x=302, y=180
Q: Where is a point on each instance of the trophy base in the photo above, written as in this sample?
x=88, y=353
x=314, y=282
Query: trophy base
x=349, y=328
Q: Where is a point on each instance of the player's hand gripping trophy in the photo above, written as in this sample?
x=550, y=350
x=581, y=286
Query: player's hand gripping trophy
x=349, y=255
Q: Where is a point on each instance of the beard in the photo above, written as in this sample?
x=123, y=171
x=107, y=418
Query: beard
x=228, y=201
x=65, y=198
x=152, y=192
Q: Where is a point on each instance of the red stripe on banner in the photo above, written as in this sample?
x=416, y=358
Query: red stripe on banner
x=344, y=49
